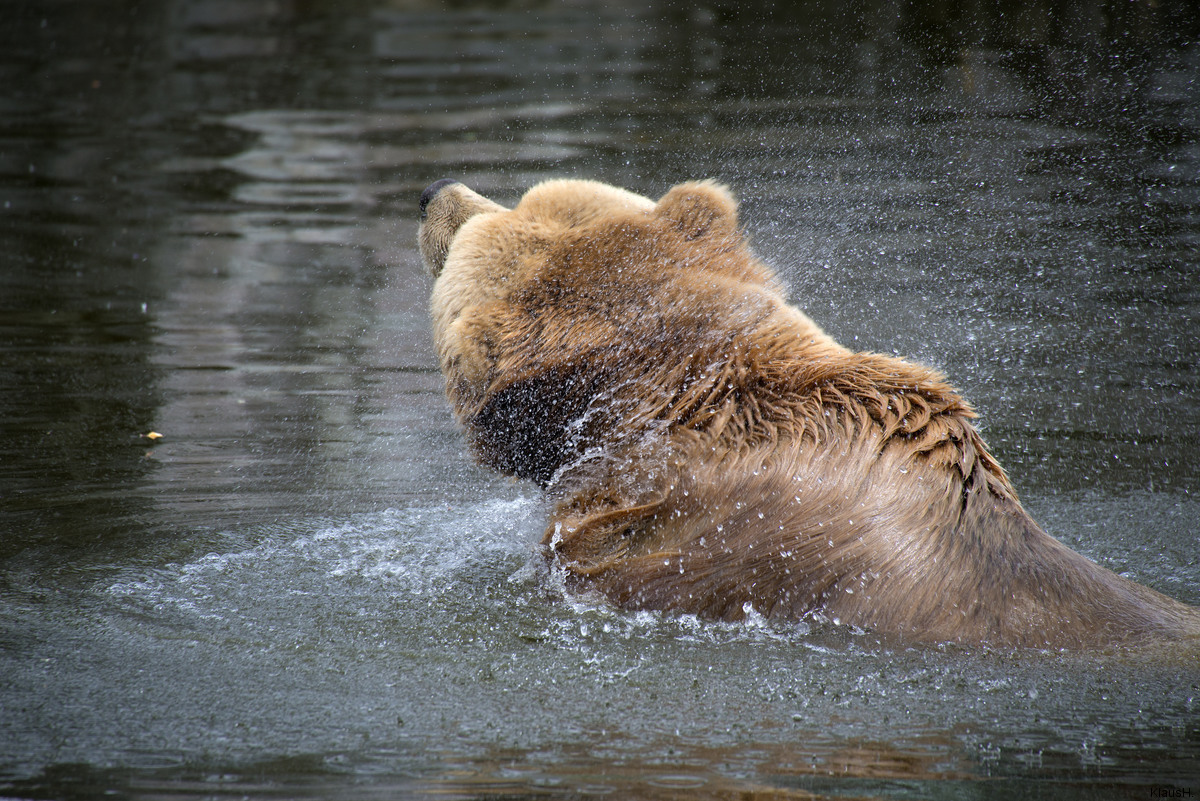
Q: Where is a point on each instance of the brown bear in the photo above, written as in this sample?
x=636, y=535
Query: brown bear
x=708, y=449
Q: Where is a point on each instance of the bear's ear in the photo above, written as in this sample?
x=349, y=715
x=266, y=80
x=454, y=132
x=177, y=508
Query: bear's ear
x=700, y=209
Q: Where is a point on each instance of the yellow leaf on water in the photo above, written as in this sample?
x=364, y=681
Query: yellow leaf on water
x=153, y=435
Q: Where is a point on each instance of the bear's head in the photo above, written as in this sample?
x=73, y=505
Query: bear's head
x=584, y=314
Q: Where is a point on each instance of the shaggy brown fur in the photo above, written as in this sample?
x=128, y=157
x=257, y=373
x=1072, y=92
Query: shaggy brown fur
x=710, y=450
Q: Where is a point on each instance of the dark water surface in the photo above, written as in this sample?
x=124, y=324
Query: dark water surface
x=306, y=589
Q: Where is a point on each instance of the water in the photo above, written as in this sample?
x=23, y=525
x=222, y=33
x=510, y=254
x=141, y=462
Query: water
x=306, y=589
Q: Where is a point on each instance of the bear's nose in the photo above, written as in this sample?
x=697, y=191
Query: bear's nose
x=432, y=190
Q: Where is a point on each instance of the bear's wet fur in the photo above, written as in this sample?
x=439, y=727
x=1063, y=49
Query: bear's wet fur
x=708, y=449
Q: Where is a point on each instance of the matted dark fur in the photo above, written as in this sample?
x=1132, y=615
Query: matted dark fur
x=710, y=450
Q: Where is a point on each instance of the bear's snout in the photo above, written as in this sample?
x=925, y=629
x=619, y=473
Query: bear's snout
x=429, y=193
x=444, y=207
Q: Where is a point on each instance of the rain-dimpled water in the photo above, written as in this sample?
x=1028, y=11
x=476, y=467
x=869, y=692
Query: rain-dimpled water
x=305, y=587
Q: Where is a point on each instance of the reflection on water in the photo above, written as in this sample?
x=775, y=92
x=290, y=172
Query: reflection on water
x=305, y=588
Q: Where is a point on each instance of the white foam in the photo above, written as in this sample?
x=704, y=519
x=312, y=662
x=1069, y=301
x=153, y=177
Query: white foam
x=415, y=550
